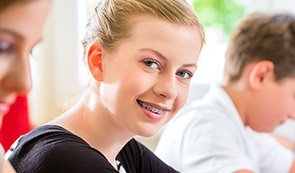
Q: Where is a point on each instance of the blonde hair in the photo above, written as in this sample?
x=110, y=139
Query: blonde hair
x=110, y=23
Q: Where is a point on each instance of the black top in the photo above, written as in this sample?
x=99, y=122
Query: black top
x=53, y=149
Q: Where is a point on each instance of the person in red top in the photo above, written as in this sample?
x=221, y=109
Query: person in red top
x=16, y=122
x=21, y=28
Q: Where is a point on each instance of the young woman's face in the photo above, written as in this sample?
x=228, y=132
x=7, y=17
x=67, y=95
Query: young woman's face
x=146, y=80
x=21, y=28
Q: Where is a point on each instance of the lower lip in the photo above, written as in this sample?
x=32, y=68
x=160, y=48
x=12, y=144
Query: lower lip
x=151, y=115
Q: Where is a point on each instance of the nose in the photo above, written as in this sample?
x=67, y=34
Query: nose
x=166, y=86
x=18, y=79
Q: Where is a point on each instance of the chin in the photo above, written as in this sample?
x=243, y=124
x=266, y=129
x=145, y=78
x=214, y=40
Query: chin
x=147, y=132
x=263, y=129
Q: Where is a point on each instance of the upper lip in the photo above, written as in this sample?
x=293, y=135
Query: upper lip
x=157, y=106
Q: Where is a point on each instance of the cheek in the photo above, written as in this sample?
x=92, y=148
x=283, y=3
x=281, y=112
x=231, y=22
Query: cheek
x=125, y=91
x=136, y=82
x=280, y=106
x=273, y=116
x=275, y=105
x=181, y=98
x=4, y=67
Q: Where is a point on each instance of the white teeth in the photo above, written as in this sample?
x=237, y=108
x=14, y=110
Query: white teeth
x=151, y=108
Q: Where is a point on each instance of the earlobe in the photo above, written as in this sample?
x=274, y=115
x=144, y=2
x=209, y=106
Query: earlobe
x=259, y=73
x=94, y=60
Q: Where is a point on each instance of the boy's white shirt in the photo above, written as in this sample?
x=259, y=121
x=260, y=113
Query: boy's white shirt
x=287, y=130
x=210, y=137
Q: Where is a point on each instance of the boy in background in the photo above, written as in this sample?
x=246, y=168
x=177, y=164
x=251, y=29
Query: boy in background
x=220, y=134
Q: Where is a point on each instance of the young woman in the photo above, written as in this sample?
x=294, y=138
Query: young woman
x=21, y=25
x=142, y=55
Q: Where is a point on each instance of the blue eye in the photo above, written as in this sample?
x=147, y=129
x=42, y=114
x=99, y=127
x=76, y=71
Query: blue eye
x=152, y=64
x=184, y=74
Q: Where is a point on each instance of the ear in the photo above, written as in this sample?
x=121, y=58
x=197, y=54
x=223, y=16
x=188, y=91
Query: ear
x=94, y=60
x=259, y=73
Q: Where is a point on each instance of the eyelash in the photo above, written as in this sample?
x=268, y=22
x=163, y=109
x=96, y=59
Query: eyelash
x=190, y=74
x=8, y=49
x=149, y=62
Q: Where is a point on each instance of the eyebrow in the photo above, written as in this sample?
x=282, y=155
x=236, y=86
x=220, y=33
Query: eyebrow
x=164, y=58
x=15, y=34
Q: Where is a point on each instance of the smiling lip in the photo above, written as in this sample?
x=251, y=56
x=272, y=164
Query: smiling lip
x=153, y=111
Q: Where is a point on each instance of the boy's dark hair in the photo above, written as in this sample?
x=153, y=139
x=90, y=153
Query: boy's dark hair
x=261, y=37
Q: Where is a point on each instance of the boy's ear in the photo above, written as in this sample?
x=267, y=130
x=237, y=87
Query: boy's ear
x=260, y=72
x=94, y=60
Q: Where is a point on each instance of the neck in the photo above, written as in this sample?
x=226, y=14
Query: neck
x=238, y=94
x=92, y=122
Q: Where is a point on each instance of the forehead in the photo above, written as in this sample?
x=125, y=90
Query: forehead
x=171, y=39
x=26, y=19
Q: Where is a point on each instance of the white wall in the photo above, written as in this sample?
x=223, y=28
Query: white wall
x=57, y=70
